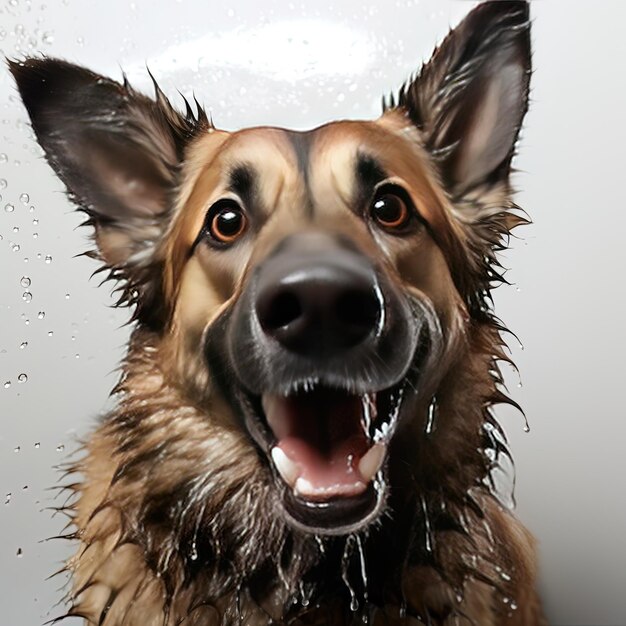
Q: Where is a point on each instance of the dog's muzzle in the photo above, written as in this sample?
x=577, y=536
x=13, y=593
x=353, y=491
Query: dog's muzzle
x=321, y=345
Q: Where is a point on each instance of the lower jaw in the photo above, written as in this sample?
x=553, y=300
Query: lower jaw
x=339, y=516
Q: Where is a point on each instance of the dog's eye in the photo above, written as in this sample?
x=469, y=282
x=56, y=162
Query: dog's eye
x=226, y=221
x=390, y=210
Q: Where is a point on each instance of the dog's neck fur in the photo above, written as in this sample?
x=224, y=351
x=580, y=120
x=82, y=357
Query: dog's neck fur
x=154, y=543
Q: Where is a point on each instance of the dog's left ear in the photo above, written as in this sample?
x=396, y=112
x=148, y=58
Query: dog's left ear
x=118, y=153
x=470, y=98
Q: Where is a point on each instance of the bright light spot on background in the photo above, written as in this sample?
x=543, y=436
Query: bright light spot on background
x=288, y=50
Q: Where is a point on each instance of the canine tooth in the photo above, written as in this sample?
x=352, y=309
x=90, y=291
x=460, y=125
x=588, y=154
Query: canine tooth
x=285, y=466
x=372, y=460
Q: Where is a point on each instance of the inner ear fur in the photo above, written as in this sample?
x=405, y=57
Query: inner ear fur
x=118, y=152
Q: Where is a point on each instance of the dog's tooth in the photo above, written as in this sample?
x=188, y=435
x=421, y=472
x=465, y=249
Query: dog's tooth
x=285, y=466
x=372, y=461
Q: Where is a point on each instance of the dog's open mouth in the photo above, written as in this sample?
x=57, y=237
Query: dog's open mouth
x=328, y=447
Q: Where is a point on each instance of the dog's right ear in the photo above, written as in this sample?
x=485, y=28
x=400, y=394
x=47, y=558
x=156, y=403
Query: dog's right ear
x=470, y=99
x=118, y=153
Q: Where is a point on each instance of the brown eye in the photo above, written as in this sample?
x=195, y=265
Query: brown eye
x=390, y=211
x=227, y=222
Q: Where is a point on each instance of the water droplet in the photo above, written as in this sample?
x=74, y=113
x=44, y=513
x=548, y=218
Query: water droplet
x=35, y=235
x=27, y=296
x=48, y=38
x=60, y=447
x=17, y=449
x=16, y=229
x=24, y=198
x=23, y=345
x=513, y=606
x=9, y=208
x=37, y=445
x=50, y=333
x=3, y=158
x=77, y=356
x=41, y=315
x=3, y=183
x=25, y=281
x=22, y=378
x=16, y=247
x=48, y=259
x=19, y=553
x=31, y=209
x=80, y=41
x=7, y=497
x=67, y=296
x=35, y=222
x=7, y=384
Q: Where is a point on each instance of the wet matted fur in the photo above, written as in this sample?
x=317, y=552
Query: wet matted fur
x=184, y=512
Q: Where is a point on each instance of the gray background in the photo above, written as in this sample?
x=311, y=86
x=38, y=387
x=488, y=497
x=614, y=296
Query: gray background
x=298, y=64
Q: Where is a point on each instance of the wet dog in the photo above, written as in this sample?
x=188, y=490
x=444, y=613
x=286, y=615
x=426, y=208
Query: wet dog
x=304, y=430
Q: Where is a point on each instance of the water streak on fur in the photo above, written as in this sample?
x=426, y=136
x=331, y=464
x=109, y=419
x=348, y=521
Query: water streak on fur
x=345, y=564
x=428, y=535
x=433, y=412
x=359, y=545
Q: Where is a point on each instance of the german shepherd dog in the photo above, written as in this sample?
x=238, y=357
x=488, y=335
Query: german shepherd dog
x=303, y=432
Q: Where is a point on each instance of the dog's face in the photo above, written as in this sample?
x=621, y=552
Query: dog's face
x=313, y=281
x=313, y=285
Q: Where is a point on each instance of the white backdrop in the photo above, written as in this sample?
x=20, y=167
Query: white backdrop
x=296, y=64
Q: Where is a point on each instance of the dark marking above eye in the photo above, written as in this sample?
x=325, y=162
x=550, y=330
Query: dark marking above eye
x=243, y=183
x=369, y=173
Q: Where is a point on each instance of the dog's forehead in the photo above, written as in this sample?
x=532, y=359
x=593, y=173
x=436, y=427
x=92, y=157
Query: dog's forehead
x=276, y=161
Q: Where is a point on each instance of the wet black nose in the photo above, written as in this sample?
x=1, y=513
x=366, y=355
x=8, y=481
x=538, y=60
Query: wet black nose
x=317, y=297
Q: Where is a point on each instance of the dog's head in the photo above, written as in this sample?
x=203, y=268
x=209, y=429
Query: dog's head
x=317, y=282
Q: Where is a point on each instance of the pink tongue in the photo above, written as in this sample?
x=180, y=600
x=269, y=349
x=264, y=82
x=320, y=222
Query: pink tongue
x=321, y=477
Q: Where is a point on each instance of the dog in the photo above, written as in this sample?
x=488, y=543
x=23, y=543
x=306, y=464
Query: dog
x=304, y=430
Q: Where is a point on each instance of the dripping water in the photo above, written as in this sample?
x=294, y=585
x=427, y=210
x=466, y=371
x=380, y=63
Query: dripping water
x=320, y=545
x=305, y=594
x=345, y=562
x=368, y=414
x=359, y=545
x=428, y=539
x=433, y=413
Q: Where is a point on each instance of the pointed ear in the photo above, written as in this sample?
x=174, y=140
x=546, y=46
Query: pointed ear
x=118, y=152
x=470, y=98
